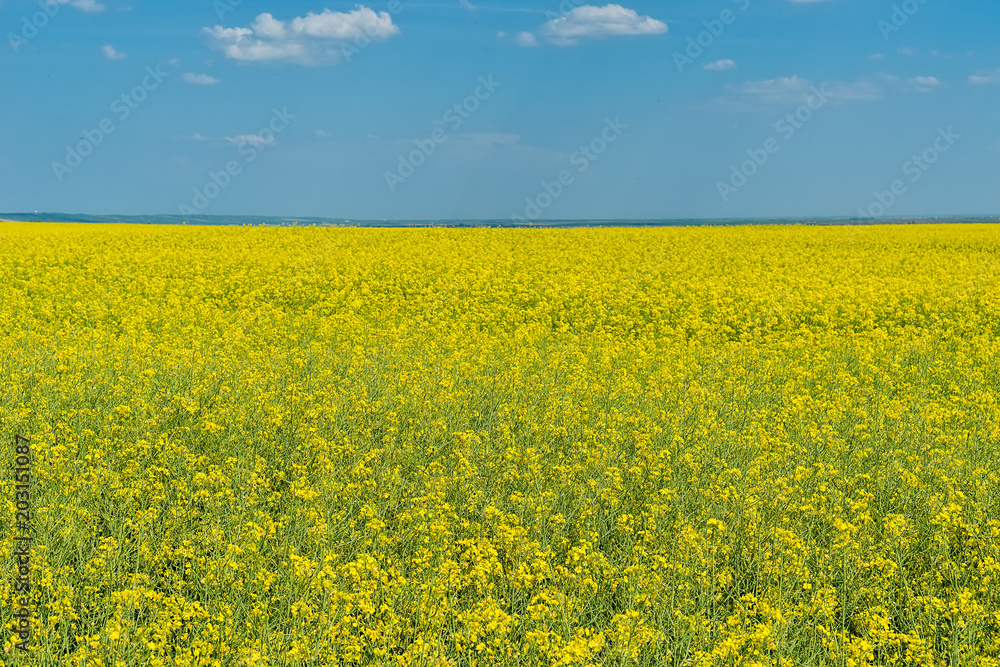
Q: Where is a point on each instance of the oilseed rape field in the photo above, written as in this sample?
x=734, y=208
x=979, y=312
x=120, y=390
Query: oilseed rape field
x=473, y=447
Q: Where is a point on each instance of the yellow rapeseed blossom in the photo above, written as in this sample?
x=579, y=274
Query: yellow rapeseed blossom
x=690, y=447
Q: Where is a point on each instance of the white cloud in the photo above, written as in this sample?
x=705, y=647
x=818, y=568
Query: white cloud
x=929, y=82
x=721, y=65
x=591, y=22
x=985, y=78
x=200, y=79
x=82, y=5
x=255, y=140
x=111, y=53
x=526, y=39
x=313, y=39
x=916, y=84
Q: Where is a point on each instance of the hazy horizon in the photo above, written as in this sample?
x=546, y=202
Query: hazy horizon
x=288, y=221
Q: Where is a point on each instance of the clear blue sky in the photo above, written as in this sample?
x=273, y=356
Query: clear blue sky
x=190, y=89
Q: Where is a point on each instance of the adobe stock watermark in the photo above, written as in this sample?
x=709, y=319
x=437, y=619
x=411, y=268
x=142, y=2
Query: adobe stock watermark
x=455, y=116
x=714, y=29
x=565, y=7
x=786, y=127
x=248, y=147
x=914, y=168
x=31, y=26
x=121, y=108
x=900, y=16
x=582, y=159
x=223, y=7
x=23, y=536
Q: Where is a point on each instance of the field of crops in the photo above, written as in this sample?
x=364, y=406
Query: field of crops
x=702, y=446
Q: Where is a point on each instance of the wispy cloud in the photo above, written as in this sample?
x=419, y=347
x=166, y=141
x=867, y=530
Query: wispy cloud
x=255, y=140
x=200, y=79
x=794, y=90
x=82, y=5
x=488, y=139
x=985, y=78
x=111, y=53
x=916, y=84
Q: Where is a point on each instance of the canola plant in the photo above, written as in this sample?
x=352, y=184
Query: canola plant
x=313, y=446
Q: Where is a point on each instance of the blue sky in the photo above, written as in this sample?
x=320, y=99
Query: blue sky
x=490, y=109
